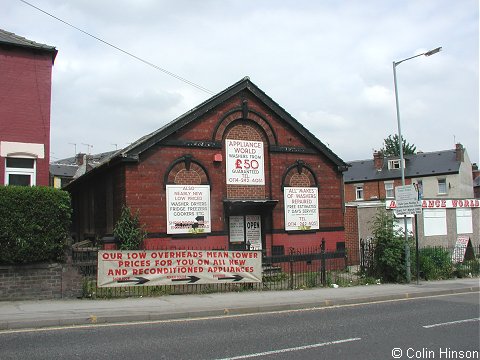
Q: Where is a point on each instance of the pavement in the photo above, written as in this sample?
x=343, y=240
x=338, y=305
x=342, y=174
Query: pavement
x=77, y=312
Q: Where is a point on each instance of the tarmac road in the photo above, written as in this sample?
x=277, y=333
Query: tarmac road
x=433, y=327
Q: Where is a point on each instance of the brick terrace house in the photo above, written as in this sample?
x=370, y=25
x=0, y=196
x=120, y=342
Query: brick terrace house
x=25, y=96
x=235, y=170
x=444, y=180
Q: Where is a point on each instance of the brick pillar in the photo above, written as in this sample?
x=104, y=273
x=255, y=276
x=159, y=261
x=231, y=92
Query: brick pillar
x=351, y=235
x=109, y=243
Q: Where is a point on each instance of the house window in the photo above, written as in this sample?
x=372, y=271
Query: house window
x=464, y=221
x=395, y=164
x=435, y=222
x=389, y=193
x=442, y=186
x=20, y=171
x=359, y=192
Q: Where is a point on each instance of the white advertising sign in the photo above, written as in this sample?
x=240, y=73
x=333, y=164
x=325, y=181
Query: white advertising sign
x=301, y=208
x=254, y=232
x=237, y=229
x=245, y=162
x=188, y=209
x=118, y=268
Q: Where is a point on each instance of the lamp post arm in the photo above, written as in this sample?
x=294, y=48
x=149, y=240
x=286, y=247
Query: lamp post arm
x=395, y=63
x=400, y=139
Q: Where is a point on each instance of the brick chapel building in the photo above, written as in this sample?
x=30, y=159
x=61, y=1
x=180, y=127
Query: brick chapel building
x=25, y=98
x=236, y=170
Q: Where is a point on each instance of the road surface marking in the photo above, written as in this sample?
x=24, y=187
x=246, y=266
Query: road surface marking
x=305, y=347
x=450, y=323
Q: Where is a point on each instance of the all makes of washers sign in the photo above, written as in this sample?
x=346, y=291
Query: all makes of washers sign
x=301, y=208
x=188, y=209
x=245, y=162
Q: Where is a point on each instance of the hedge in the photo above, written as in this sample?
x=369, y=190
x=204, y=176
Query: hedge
x=34, y=224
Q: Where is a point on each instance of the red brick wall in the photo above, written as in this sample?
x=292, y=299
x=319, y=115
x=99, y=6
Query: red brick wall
x=25, y=94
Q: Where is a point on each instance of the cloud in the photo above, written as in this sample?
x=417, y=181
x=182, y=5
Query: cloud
x=377, y=96
x=328, y=63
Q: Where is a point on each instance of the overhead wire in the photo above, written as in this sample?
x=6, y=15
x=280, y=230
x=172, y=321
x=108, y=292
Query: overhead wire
x=178, y=77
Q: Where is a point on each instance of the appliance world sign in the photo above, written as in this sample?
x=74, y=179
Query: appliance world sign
x=441, y=203
x=245, y=162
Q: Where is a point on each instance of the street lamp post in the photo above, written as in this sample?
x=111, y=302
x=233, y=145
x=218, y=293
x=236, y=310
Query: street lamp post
x=400, y=148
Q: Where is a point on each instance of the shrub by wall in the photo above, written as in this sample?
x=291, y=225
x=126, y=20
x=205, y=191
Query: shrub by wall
x=34, y=224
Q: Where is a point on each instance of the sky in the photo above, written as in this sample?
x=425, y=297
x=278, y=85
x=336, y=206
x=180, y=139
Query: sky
x=328, y=63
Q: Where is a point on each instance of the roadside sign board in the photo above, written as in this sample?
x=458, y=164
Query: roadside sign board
x=407, y=203
x=117, y=268
x=460, y=249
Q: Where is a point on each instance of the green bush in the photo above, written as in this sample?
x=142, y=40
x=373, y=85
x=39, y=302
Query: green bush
x=129, y=231
x=34, y=224
x=434, y=263
x=468, y=268
x=388, y=261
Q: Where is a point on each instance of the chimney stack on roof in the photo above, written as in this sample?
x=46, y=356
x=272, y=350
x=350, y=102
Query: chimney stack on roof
x=80, y=159
x=459, y=152
x=378, y=160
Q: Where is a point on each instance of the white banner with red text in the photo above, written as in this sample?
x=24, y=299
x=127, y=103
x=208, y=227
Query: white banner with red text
x=118, y=268
x=441, y=203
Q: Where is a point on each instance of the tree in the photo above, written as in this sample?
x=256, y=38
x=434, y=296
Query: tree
x=391, y=146
x=129, y=231
x=388, y=249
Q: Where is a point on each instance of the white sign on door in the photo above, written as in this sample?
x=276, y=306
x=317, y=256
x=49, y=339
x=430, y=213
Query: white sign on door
x=245, y=162
x=237, y=229
x=254, y=231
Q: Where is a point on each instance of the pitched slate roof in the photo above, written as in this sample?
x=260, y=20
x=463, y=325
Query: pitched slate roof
x=95, y=159
x=11, y=39
x=417, y=165
x=133, y=151
x=63, y=170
